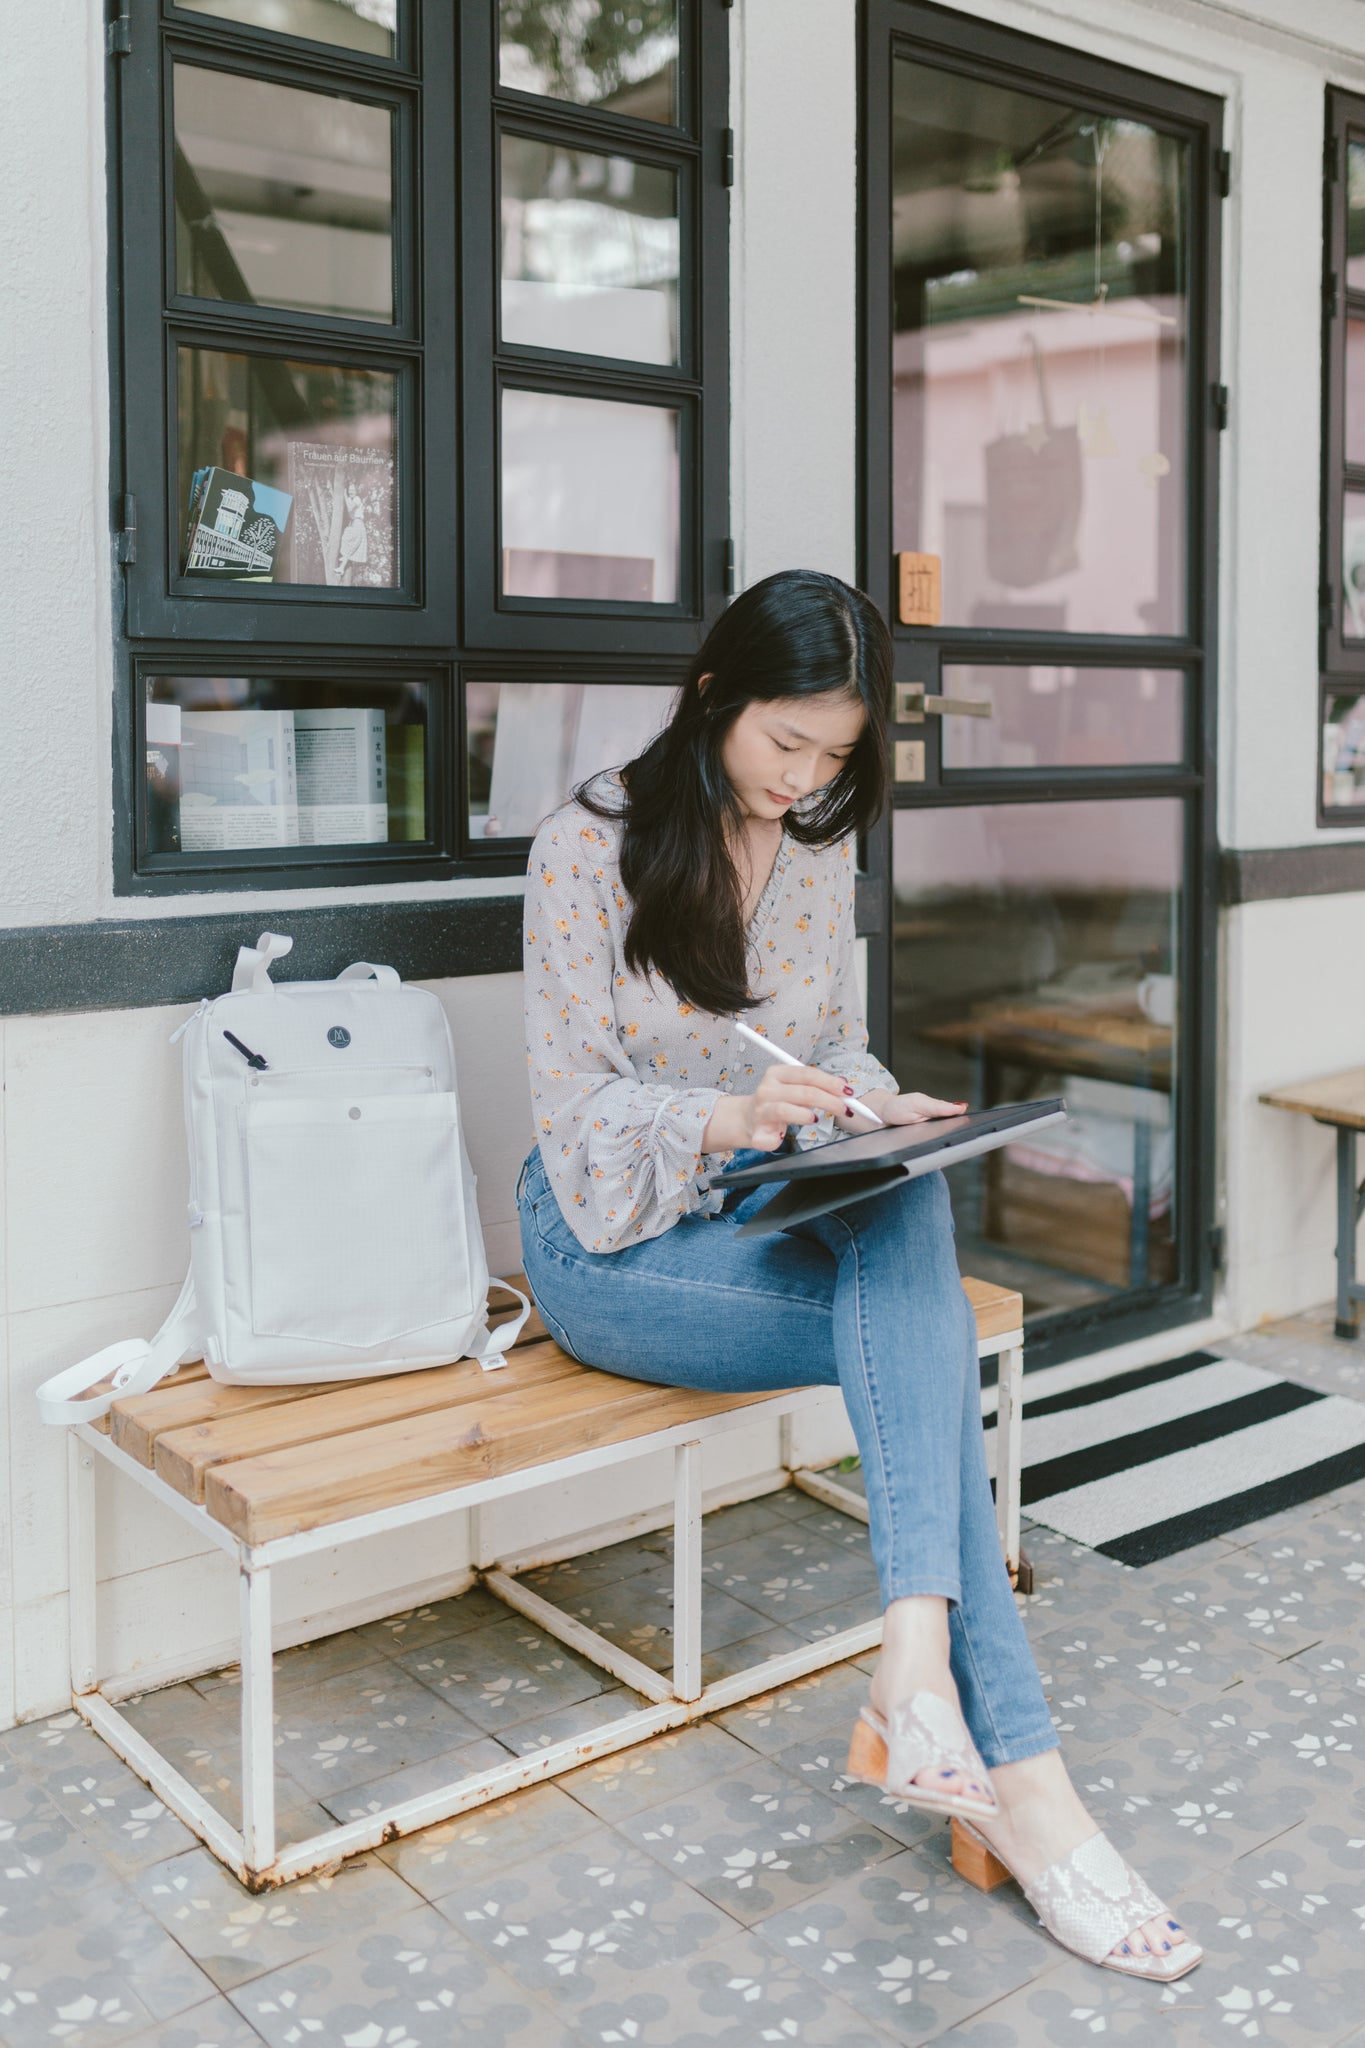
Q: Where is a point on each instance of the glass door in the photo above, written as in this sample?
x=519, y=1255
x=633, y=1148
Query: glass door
x=1040, y=256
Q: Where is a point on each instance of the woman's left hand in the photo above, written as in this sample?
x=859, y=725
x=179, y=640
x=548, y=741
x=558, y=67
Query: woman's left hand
x=909, y=1109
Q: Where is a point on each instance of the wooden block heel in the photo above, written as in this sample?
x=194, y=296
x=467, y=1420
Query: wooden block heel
x=974, y=1861
x=867, y=1754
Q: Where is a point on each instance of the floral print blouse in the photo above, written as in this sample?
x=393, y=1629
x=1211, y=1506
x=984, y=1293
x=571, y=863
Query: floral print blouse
x=624, y=1075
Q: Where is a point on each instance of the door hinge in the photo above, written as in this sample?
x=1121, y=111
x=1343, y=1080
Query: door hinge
x=1331, y=294
x=1327, y=608
x=126, y=532
x=729, y=568
x=727, y=156
x=119, y=35
x=1218, y=398
x=1218, y=1248
x=1331, y=158
x=1222, y=172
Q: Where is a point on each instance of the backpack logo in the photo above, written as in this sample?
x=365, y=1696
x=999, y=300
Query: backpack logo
x=338, y=1036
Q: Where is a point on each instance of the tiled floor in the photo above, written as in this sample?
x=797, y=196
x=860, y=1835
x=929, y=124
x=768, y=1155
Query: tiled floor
x=729, y=1883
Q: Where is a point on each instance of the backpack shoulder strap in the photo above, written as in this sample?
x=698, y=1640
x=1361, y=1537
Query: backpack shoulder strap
x=489, y=1346
x=130, y=1367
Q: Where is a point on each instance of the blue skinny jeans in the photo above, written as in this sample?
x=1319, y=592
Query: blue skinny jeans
x=868, y=1299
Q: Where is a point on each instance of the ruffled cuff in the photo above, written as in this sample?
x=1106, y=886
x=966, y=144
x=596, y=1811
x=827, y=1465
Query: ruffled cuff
x=680, y=1165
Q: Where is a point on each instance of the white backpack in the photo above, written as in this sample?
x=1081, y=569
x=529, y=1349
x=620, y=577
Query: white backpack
x=333, y=1228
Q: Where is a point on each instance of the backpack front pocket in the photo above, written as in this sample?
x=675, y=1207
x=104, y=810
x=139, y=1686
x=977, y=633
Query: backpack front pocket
x=357, y=1217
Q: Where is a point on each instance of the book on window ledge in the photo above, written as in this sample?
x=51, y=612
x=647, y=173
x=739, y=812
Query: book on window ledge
x=235, y=526
x=340, y=765
x=238, y=786
x=346, y=519
x=842, y=1170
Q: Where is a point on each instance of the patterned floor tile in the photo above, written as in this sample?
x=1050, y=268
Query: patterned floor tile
x=501, y=1675
x=1174, y=1810
x=1307, y=1728
x=860, y=1604
x=356, y=1802
x=35, y=1747
x=86, y=2009
x=115, y=1810
x=365, y=1725
x=1152, y=1654
x=663, y=1768
x=579, y=1718
x=1265, y=1600
x=588, y=1922
x=1317, y=1872
x=756, y=1840
x=1092, y=1708
x=637, y=1614
x=827, y=1701
x=791, y=1573
x=1338, y=1661
x=417, y=1628
x=910, y=1946
x=46, y=1859
x=728, y=1658
x=740, y=1992
x=481, y=1844
x=212, y=2025
x=412, y=1983
x=234, y=1936
x=307, y=1664
x=823, y=1765
x=1266, y=1978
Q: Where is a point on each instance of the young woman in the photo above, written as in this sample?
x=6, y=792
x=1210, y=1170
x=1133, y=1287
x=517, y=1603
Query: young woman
x=713, y=877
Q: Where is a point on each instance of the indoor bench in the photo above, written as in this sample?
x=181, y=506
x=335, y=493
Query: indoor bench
x=273, y=1473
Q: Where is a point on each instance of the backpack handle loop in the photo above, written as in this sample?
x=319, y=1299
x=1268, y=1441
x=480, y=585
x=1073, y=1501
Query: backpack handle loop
x=252, y=971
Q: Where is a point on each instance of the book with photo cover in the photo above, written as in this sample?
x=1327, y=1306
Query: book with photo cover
x=345, y=529
x=235, y=526
x=238, y=786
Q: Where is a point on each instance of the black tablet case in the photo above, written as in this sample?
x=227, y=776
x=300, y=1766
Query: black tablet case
x=851, y=1169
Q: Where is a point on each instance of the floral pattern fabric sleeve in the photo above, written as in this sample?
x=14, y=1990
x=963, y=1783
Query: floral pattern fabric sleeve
x=619, y=1129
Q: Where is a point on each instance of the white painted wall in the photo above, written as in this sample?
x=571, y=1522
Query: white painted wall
x=91, y=1174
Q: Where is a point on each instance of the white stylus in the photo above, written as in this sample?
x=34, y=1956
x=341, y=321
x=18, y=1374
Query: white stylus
x=778, y=1052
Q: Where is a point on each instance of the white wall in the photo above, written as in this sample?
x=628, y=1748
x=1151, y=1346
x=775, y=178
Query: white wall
x=91, y=1187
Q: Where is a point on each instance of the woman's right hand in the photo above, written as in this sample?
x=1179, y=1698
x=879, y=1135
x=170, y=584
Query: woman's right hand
x=784, y=1095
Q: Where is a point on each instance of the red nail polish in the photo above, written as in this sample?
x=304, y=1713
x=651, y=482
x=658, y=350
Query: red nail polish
x=847, y=1089
x=848, y=1112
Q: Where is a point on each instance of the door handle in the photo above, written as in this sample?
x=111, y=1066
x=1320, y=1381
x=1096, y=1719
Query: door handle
x=912, y=703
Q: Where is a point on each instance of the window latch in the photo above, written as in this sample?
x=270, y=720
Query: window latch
x=126, y=537
x=727, y=156
x=1219, y=400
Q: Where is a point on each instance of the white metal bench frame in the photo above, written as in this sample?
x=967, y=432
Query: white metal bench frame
x=252, y=1852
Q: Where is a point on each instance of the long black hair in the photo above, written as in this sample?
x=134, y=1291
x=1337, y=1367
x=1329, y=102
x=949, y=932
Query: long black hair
x=797, y=634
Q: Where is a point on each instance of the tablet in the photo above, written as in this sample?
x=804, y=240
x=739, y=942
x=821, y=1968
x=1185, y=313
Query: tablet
x=854, y=1169
x=940, y=1141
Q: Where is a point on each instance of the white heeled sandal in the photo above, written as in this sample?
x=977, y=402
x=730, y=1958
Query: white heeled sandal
x=1089, y=1901
x=923, y=1733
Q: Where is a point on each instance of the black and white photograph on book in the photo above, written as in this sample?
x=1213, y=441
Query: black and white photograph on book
x=682, y=1083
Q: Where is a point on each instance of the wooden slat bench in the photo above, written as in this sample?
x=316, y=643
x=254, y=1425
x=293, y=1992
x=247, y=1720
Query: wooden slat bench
x=270, y=1474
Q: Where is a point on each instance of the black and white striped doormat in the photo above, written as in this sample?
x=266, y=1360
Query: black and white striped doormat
x=1155, y=1460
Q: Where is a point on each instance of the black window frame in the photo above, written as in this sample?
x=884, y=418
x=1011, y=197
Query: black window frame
x=1341, y=661
x=444, y=622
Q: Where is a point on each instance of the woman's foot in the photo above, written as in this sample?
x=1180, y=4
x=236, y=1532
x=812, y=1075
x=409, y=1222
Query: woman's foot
x=1041, y=1820
x=914, y=1659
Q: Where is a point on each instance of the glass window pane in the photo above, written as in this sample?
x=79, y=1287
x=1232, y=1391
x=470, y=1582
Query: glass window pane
x=1353, y=566
x=1355, y=216
x=239, y=762
x=1037, y=953
x=1039, y=357
x=1355, y=391
x=287, y=470
x=282, y=197
x=1343, y=752
x=531, y=744
x=367, y=25
x=589, y=498
x=1061, y=717
x=589, y=252
x=624, y=59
